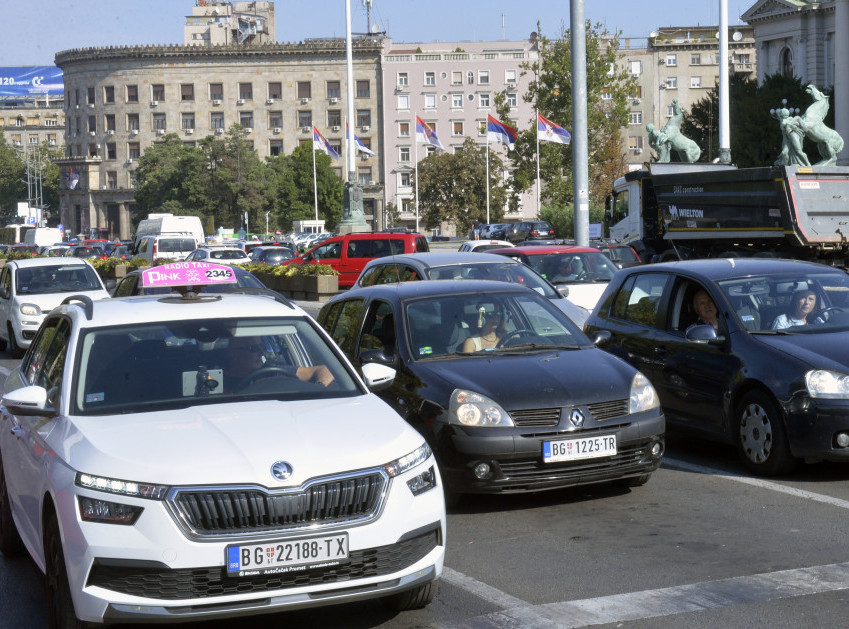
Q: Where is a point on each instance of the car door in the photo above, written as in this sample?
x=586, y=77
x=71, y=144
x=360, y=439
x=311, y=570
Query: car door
x=5, y=298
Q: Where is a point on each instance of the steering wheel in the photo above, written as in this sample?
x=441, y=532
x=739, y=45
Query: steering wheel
x=264, y=372
x=825, y=314
x=512, y=335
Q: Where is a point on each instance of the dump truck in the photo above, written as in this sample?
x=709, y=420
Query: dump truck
x=685, y=211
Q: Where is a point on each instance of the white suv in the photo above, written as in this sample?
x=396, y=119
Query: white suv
x=31, y=288
x=210, y=456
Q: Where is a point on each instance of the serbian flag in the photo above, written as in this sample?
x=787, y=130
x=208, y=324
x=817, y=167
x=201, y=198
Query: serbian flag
x=73, y=179
x=500, y=132
x=426, y=135
x=358, y=144
x=320, y=143
x=547, y=131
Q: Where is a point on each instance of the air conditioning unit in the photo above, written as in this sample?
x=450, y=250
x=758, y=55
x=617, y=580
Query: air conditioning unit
x=249, y=129
x=91, y=133
x=336, y=128
x=110, y=131
x=277, y=130
x=160, y=132
x=365, y=128
x=304, y=101
x=306, y=129
x=372, y=183
x=134, y=131
x=189, y=131
x=130, y=160
x=216, y=102
x=636, y=101
x=333, y=101
x=241, y=101
x=219, y=132
x=637, y=151
x=269, y=101
x=511, y=83
x=103, y=187
x=91, y=105
x=17, y=142
x=154, y=103
x=52, y=142
x=635, y=75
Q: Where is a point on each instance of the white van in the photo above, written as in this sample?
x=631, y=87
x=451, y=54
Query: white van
x=43, y=236
x=172, y=246
x=158, y=224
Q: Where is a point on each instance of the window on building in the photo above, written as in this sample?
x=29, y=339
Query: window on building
x=403, y=79
x=187, y=92
x=406, y=180
x=406, y=206
x=457, y=127
x=336, y=145
x=333, y=89
x=92, y=150
x=109, y=94
x=635, y=68
x=483, y=77
x=481, y=124
x=187, y=120
x=363, y=88
x=509, y=76
x=246, y=119
x=743, y=58
x=695, y=81
x=132, y=93
x=246, y=91
x=304, y=118
x=334, y=117
x=109, y=119
x=364, y=175
x=637, y=93
x=456, y=77
x=49, y=122
x=216, y=91
x=304, y=89
x=695, y=59
x=483, y=100
x=157, y=92
x=403, y=101
x=606, y=93
x=216, y=120
x=404, y=153
x=430, y=101
x=404, y=129
x=133, y=150
x=275, y=90
x=275, y=147
x=112, y=179
x=672, y=82
x=670, y=111
x=457, y=101
x=111, y=150
x=78, y=122
x=364, y=117
x=159, y=121
x=635, y=142
x=635, y=117
x=366, y=143
x=671, y=59
x=430, y=78
x=275, y=119
x=92, y=124
x=512, y=101
x=90, y=96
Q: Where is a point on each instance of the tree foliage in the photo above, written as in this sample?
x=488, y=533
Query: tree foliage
x=13, y=179
x=452, y=187
x=755, y=134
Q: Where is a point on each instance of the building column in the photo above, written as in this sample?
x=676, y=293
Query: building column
x=801, y=62
x=841, y=76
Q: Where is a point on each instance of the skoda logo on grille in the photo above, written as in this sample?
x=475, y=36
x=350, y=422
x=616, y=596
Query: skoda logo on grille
x=281, y=470
x=576, y=417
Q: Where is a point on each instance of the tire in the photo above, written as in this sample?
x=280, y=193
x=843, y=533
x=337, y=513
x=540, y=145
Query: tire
x=60, y=605
x=760, y=436
x=14, y=349
x=634, y=481
x=2, y=344
x=417, y=598
x=10, y=541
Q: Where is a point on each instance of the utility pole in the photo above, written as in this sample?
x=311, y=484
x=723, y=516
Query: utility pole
x=580, y=153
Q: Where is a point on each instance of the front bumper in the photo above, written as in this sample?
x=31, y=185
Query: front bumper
x=813, y=426
x=515, y=456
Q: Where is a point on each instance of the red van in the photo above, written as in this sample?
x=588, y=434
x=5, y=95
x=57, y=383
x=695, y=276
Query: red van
x=348, y=254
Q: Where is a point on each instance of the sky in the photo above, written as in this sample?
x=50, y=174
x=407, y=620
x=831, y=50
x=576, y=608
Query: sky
x=34, y=30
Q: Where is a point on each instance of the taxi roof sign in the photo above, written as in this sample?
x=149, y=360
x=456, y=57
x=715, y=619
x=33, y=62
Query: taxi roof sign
x=179, y=274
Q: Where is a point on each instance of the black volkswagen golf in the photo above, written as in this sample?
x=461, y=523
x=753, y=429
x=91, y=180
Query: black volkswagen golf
x=507, y=390
x=753, y=352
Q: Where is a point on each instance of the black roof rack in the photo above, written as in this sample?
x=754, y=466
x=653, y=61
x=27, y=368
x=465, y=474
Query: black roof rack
x=88, y=304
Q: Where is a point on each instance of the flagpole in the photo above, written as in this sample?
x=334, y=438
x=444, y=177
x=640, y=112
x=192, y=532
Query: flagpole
x=487, y=174
x=314, y=181
x=538, y=207
x=416, y=162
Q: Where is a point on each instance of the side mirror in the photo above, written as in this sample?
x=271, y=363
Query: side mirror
x=378, y=376
x=4, y=292
x=601, y=338
x=28, y=401
x=704, y=334
x=376, y=356
x=111, y=284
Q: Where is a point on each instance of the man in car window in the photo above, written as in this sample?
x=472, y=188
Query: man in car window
x=245, y=356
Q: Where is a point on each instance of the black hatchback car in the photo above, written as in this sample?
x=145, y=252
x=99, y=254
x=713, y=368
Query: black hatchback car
x=772, y=379
x=543, y=408
x=529, y=230
x=271, y=255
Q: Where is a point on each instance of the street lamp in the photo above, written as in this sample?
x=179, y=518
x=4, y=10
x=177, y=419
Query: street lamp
x=266, y=223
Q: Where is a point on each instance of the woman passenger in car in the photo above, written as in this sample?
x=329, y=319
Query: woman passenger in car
x=705, y=310
x=490, y=330
x=803, y=302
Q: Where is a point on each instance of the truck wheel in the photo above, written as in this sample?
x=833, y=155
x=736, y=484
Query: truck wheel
x=669, y=256
x=417, y=598
x=761, y=440
x=14, y=349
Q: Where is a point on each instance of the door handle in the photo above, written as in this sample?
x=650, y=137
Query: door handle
x=661, y=351
x=17, y=431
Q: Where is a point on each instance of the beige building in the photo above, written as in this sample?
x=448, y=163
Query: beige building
x=32, y=122
x=118, y=101
x=222, y=23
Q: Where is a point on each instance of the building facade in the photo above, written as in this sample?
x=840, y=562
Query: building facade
x=119, y=101
x=451, y=86
x=224, y=23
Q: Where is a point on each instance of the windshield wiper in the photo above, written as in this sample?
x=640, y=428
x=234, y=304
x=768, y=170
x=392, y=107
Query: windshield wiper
x=536, y=346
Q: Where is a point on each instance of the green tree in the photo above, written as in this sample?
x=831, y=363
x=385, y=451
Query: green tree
x=12, y=180
x=562, y=218
x=452, y=187
x=293, y=193
x=550, y=90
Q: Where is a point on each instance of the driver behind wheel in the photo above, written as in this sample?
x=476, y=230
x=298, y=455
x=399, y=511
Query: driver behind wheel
x=246, y=358
x=489, y=329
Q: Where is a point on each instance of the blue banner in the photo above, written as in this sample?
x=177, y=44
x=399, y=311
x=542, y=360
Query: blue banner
x=31, y=81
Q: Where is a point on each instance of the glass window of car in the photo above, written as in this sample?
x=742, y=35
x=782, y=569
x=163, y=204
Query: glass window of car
x=379, y=329
x=126, y=286
x=40, y=280
x=227, y=254
x=640, y=298
x=175, y=245
x=343, y=329
x=329, y=250
x=371, y=275
x=6, y=282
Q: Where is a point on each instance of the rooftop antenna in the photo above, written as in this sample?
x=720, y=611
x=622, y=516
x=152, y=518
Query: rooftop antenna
x=503, y=34
x=368, y=4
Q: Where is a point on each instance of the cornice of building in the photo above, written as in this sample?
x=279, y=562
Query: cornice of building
x=326, y=47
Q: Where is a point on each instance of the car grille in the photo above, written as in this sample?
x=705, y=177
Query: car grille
x=600, y=411
x=237, y=511
x=198, y=583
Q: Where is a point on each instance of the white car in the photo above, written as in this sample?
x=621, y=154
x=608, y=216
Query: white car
x=30, y=288
x=219, y=255
x=210, y=456
x=480, y=246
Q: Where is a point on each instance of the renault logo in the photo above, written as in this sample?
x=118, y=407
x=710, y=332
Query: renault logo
x=576, y=417
x=281, y=470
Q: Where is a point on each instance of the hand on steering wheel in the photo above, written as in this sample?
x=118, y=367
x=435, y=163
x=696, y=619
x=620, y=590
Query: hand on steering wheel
x=512, y=335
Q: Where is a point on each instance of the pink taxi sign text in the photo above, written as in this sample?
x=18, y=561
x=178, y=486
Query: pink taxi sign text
x=187, y=274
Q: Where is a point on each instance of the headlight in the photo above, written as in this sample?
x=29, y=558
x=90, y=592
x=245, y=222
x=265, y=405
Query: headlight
x=827, y=384
x=92, y=510
x=30, y=310
x=468, y=408
x=121, y=487
x=408, y=461
x=643, y=396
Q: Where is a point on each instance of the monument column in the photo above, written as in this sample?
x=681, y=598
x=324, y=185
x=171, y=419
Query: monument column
x=841, y=75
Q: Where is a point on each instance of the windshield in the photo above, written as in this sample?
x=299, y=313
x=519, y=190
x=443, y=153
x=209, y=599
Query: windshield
x=499, y=271
x=40, y=280
x=573, y=268
x=176, y=364
x=810, y=302
x=175, y=245
x=227, y=254
x=487, y=322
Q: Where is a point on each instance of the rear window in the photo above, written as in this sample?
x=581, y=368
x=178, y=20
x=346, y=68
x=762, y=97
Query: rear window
x=175, y=245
